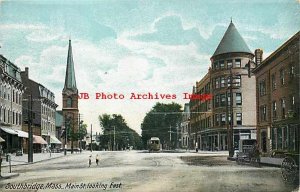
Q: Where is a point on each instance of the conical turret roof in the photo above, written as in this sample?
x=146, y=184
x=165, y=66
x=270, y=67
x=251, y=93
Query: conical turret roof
x=70, y=81
x=232, y=42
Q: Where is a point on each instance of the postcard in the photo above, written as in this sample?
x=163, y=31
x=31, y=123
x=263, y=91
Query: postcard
x=149, y=95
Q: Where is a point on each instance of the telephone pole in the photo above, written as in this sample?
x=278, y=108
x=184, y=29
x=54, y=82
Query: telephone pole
x=30, y=135
x=91, y=137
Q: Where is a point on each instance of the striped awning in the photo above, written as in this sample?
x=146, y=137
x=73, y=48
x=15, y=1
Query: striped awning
x=39, y=140
x=54, y=140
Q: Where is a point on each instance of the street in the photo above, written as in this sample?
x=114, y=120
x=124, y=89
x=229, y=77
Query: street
x=143, y=171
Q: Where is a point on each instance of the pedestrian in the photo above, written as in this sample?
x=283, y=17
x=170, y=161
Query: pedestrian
x=90, y=160
x=97, y=159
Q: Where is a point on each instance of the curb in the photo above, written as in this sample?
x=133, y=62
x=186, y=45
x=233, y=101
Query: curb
x=9, y=175
x=26, y=163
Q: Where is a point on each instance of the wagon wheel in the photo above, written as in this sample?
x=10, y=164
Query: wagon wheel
x=288, y=169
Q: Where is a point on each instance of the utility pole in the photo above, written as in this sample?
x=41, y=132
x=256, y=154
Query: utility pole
x=79, y=132
x=66, y=133
x=230, y=111
x=30, y=135
x=72, y=134
x=91, y=137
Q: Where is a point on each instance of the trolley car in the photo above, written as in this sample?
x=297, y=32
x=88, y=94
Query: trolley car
x=154, y=144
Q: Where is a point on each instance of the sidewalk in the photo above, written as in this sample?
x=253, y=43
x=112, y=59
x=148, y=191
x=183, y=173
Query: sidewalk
x=23, y=160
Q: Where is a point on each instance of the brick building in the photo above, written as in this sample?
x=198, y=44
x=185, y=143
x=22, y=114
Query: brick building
x=277, y=84
x=11, y=94
x=43, y=111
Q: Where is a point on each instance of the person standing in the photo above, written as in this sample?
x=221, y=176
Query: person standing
x=90, y=160
x=97, y=159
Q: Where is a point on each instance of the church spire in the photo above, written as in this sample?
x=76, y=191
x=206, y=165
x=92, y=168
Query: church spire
x=70, y=81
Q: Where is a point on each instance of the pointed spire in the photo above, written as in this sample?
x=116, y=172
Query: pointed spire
x=70, y=81
x=232, y=42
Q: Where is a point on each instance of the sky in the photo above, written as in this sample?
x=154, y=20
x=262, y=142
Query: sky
x=128, y=46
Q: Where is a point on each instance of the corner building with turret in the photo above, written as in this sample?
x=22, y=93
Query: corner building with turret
x=233, y=93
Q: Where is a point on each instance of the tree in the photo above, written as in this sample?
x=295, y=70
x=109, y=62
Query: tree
x=162, y=121
x=116, y=133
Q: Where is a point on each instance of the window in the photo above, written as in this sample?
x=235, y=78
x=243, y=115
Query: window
x=283, y=108
x=262, y=87
x=273, y=81
x=263, y=113
x=217, y=81
x=228, y=99
x=282, y=77
x=274, y=109
x=239, y=118
x=222, y=65
x=222, y=81
x=237, y=81
x=292, y=102
x=223, y=119
x=292, y=72
x=223, y=100
x=217, y=119
x=217, y=100
x=13, y=117
x=216, y=65
x=229, y=64
x=238, y=98
x=238, y=63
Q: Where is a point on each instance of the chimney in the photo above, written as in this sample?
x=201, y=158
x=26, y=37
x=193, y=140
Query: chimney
x=258, y=56
x=26, y=72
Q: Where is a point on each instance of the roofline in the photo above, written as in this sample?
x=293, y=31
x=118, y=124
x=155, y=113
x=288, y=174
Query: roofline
x=212, y=57
x=265, y=61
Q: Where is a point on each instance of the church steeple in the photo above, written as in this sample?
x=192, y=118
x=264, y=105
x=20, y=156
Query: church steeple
x=70, y=81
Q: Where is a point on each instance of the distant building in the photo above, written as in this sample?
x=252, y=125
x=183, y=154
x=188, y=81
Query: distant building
x=42, y=102
x=70, y=101
x=201, y=116
x=11, y=94
x=210, y=120
x=277, y=85
x=185, y=127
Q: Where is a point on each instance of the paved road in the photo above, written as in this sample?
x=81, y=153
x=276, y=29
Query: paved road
x=141, y=171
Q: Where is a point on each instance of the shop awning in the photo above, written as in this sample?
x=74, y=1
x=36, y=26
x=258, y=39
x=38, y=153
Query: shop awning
x=9, y=131
x=22, y=134
x=1, y=139
x=54, y=140
x=39, y=140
